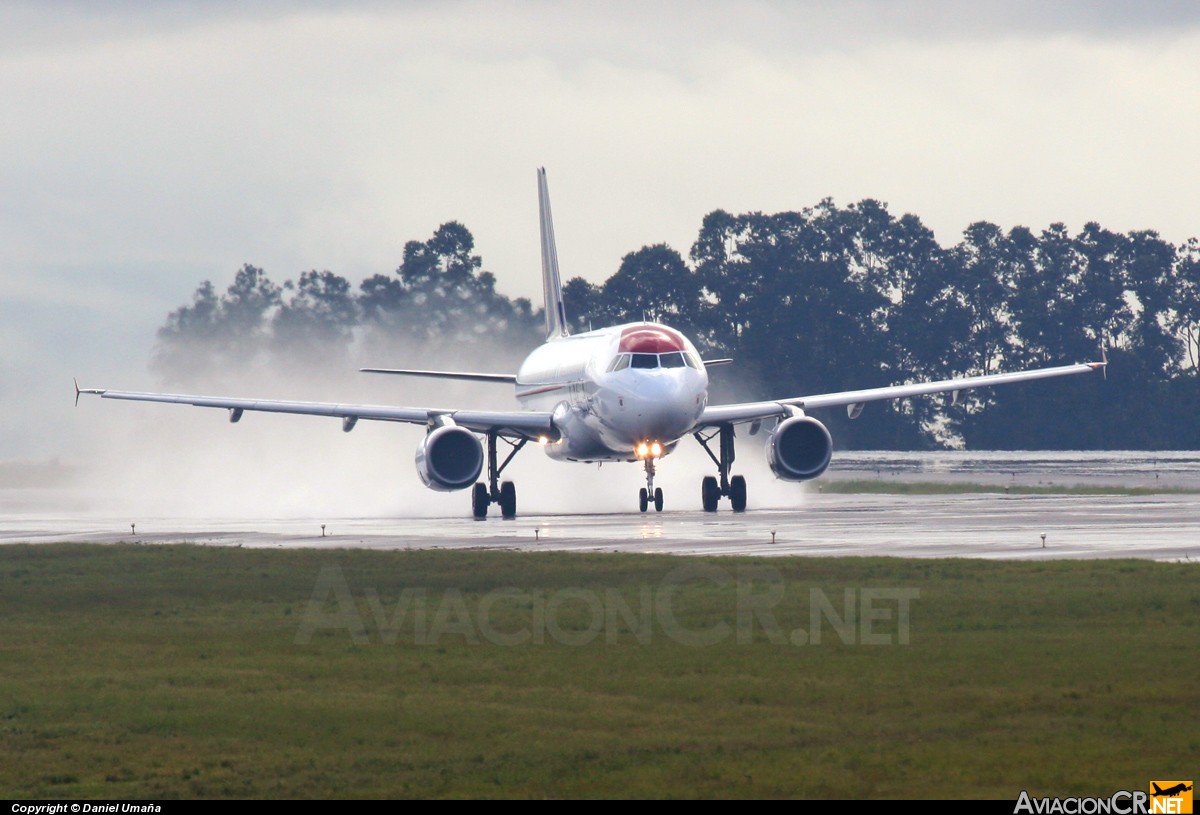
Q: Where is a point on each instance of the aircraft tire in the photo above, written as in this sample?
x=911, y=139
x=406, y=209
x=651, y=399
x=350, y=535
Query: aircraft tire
x=643, y=500
x=737, y=493
x=710, y=493
x=658, y=499
x=480, y=500
x=508, y=500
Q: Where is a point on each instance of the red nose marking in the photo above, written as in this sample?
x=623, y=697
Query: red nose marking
x=650, y=339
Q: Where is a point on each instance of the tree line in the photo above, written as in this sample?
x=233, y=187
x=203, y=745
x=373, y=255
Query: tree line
x=826, y=299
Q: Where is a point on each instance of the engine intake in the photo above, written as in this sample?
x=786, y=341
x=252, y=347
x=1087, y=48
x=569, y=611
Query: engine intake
x=449, y=458
x=799, y=449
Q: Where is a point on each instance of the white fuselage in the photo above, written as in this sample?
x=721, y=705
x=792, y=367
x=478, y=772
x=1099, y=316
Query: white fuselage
x=618, y=394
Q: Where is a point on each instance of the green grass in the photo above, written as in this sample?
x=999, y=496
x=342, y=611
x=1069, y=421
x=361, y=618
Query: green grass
x=202, y=672
x=856, y=486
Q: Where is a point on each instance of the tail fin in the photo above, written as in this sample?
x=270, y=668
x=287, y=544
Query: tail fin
x=556, y=315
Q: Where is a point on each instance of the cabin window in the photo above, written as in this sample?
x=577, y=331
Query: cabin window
x=692, y=360
x=672, y=360
x=644, y=361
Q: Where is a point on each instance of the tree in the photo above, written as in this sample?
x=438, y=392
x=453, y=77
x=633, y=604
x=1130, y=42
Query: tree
x=825, y=299
x=317, y=320
x=441, y=304
x=1183, y=314
x=653, y=283
x=212, y=335
x=586, y=306
x=248, y=304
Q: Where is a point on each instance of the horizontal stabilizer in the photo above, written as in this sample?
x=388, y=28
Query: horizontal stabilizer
x=471, y=377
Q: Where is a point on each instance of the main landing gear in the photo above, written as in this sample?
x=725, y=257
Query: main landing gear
x=495, y=491
x=650, y=493
x=712, y=490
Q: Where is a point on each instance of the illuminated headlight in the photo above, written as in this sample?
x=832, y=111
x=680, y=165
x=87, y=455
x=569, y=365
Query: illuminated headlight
x=648, y=449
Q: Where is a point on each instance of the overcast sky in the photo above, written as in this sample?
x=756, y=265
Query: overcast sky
x=145, y=147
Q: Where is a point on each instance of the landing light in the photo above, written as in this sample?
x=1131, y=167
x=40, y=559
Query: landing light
x=648, y=449
x=543, y=440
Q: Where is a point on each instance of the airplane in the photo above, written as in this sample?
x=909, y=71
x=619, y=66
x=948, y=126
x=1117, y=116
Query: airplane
x=625, y=393
x=1170, y=792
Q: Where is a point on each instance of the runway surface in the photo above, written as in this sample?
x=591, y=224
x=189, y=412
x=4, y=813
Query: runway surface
x=1162, y=527
x=996, y=525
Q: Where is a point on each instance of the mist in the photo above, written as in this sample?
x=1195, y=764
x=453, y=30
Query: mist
x=143, y=461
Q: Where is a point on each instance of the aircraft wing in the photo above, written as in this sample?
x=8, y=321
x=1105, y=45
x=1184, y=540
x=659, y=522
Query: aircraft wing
x=854, y=400
x=513, y=424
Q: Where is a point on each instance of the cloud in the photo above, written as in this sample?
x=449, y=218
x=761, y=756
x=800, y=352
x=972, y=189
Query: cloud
x=147, y=147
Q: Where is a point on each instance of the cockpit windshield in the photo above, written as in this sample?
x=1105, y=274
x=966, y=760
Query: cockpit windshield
x=673, y=359
x=620, y=362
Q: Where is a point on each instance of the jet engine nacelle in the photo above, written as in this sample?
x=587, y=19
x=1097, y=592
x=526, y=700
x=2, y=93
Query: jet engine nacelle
x=449, y=458
x=799, y=449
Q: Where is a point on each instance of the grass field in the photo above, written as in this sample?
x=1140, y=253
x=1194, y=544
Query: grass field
x=182, y=671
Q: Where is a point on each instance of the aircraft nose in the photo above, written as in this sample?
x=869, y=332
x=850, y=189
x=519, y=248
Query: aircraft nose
x=664, y=407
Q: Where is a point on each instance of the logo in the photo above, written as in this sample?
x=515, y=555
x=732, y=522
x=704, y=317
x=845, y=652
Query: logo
x=1170, y=797
x=1164, y=798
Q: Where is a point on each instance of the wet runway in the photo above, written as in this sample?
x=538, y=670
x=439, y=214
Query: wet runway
x=1163, y=526
x=1160, y=527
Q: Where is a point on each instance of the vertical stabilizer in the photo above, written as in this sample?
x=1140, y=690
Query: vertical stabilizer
x=556, y=315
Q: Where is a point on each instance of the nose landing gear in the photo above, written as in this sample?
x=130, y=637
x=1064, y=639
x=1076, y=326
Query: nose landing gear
x=650, y=492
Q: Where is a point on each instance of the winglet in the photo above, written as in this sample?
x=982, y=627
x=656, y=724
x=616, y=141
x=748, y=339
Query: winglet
x=1102, y=364
x=556, y=315
x=79, y=390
